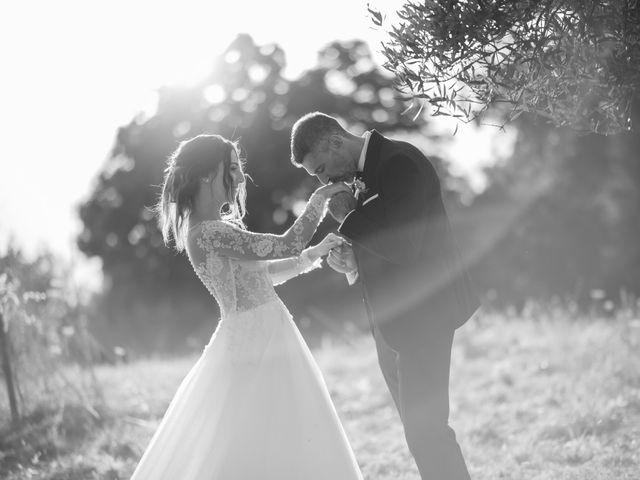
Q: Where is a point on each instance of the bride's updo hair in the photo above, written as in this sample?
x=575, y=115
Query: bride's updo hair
x=193, y=160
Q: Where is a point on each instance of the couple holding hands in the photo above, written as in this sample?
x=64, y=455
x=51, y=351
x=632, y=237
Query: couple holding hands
x=255, y=405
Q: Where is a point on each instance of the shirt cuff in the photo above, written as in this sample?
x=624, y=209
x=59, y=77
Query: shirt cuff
x=307, y=264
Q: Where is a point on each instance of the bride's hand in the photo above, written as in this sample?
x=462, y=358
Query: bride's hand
x=328, y=191
x=322, y=249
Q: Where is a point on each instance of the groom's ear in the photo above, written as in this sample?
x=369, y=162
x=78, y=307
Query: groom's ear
x=336, y=141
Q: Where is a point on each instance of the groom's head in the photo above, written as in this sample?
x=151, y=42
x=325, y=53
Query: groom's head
x=323, y=148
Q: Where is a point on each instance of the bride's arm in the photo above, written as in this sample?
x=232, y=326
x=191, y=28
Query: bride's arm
x=285, y=269
x=231, y=241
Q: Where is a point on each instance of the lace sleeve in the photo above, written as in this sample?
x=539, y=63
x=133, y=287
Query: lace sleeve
x=283, y=270
x=230, y=241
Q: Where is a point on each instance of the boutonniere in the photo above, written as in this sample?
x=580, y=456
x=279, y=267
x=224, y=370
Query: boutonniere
x=360, y=186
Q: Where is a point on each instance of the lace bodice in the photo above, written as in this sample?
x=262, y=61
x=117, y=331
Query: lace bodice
x=240, y=268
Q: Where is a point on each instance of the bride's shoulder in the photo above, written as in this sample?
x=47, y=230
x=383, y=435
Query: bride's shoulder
x=208, y=231
x=225, y=226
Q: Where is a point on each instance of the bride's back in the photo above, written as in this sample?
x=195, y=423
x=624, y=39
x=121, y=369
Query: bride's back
x=237, y=285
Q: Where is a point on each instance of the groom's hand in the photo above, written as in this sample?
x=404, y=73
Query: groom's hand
x=342, y=259
x=341, y=204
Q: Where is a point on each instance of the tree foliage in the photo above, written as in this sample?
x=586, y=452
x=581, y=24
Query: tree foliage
x=573, y=62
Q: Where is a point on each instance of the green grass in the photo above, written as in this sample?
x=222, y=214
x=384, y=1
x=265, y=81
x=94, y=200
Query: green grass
x=530, y=399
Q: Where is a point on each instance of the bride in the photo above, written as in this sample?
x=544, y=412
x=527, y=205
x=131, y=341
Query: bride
x=254, y=406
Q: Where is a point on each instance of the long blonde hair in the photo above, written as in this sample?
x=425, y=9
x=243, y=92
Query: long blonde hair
x=193, y=160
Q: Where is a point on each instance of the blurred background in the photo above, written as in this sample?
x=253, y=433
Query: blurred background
x=95, y=98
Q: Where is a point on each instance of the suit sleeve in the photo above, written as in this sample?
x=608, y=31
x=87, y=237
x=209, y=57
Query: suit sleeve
x=394, y=225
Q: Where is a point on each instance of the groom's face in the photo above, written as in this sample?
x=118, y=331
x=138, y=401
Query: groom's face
x=329, y=162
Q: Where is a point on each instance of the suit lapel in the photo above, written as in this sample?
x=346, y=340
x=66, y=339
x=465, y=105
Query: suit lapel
x=372, y=159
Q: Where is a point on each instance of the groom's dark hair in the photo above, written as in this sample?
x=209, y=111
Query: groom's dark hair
x=309, y=131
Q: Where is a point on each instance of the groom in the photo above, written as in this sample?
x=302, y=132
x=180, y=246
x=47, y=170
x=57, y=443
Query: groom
x=403, y=255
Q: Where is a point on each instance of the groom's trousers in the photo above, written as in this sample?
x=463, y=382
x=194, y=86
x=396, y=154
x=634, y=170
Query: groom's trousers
x=417, y=373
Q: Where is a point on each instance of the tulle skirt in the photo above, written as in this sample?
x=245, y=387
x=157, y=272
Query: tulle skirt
x=253, y=407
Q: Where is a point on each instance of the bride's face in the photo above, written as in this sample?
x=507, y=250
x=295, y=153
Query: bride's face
x=236, y=175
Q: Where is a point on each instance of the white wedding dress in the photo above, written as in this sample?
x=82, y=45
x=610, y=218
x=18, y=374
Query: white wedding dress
x=254, y=406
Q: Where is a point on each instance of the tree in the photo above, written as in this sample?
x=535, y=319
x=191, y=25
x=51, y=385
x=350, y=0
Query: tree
x=563, y=213
x=573, y=62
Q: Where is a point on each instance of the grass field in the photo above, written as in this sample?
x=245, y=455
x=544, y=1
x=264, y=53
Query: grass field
x=531, y=398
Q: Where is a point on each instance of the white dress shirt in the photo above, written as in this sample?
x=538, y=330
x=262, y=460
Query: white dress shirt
x=363, y=153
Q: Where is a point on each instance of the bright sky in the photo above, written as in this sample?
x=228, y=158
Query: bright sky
x=73, y=71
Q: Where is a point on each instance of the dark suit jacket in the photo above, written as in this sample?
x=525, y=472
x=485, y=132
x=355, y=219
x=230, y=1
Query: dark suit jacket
x=408, y=263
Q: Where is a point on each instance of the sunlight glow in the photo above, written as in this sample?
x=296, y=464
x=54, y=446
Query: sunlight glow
x=77, y=71
x=214, y=94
